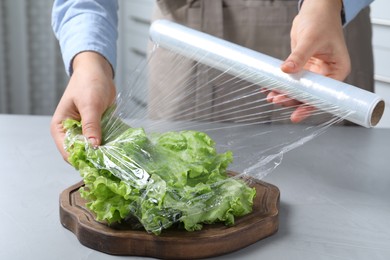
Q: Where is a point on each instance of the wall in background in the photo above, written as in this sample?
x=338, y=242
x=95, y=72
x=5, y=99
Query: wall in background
x=380, y=17
x=134, y=21
x=32, y=75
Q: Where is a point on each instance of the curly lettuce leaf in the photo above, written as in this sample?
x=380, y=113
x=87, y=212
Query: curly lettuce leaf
x=158, y=179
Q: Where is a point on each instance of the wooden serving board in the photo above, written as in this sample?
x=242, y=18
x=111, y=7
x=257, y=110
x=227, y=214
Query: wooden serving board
x=212, y=240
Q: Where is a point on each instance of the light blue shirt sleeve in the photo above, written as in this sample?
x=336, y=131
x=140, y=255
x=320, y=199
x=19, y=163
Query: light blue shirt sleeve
x=86, y=25
x=351, y=8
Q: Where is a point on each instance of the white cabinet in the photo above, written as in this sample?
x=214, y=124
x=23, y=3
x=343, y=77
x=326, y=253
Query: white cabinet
x=380, y=17
x=134, y=22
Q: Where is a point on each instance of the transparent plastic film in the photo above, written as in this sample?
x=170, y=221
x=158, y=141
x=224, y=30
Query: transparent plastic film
x=258, y=68
x=193, y=131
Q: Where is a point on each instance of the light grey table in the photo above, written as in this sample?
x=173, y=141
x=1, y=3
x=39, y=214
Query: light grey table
x=335, y=197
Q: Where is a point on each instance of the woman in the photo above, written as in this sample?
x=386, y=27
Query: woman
x=87, y=31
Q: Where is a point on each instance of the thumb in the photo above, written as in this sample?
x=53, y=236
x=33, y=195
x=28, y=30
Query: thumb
x=90, y=122
x=297, y=59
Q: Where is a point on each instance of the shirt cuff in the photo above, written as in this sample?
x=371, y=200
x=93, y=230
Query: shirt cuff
x=342, y=12
x=353, y=7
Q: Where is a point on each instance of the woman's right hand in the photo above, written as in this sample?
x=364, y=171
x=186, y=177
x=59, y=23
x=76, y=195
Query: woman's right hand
x=318, y=45
x=89, y=93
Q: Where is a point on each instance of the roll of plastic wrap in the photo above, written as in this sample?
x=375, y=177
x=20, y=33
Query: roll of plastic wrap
x=360, y=106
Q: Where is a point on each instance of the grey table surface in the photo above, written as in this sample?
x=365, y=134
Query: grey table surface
x=335, y=193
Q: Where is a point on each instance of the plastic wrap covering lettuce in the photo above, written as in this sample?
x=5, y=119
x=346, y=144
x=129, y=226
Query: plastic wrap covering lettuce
x=158, y=179
x=190, y=116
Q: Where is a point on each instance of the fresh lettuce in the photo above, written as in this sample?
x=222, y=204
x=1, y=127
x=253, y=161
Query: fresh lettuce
x=159, y=180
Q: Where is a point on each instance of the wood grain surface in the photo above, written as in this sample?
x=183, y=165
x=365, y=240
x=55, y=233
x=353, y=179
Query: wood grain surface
x=212, y=240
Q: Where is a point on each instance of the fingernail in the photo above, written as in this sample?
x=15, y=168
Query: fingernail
x=289, y=64
x=270, y=97
x=264, y=90
x=93, y=142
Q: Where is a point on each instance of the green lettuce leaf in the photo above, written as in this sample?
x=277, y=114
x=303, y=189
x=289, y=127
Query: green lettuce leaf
x=160, y=179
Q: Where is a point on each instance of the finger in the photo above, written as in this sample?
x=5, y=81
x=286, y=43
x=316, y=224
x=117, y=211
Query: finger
x=90, y=123
x=264, y=91
x=282, y=99
x=341, y=68
x=298, y=57
x=56, y=127
x=301, y=113
x=58, y=134
x=271, y=95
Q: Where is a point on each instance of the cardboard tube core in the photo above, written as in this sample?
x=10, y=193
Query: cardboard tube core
x=377, y=113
